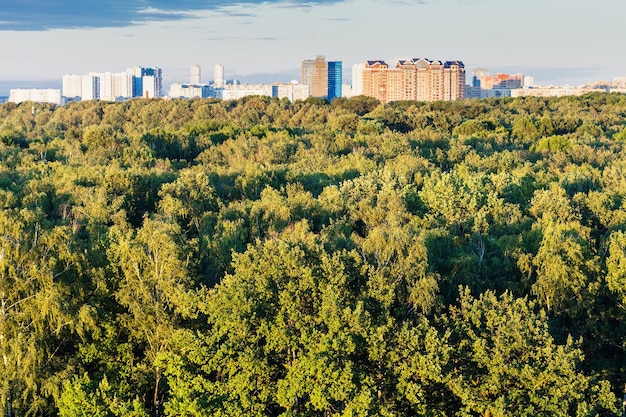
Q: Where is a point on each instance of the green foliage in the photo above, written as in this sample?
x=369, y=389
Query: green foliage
x=553, y=143
x=262, y=257
x=507, y=362
x=81, y=397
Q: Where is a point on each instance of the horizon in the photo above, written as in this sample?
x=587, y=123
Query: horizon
x=547, y=77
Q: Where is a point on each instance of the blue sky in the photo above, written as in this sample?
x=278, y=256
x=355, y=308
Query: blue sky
x=556, y=41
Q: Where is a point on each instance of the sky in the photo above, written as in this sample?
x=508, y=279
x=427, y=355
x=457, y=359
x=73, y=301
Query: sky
x=558, y=42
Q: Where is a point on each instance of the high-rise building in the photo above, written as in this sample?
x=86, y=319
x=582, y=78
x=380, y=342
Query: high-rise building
x=413, y=79
x=72, y=86
x=325, y=79
x=136, y=73
x=375, y=79
x=90, y=87
x=335, y=79
x=315, y=75
x=453, y=81
x=152, y=83
x=218, y=76
x=134, y=82
x=195, y=78
x=357, y=79
x=154, y=77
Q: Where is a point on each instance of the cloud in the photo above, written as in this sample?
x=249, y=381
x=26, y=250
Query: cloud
x=39, y=15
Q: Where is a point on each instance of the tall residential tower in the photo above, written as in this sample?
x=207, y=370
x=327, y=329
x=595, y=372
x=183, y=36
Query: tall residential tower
x=218, y=76
x=195, y=78
x=323, y=78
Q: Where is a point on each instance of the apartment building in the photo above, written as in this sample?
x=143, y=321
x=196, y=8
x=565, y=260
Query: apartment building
x=375, y=83
x=37, y=95
x=134, y=82
x=413, y=79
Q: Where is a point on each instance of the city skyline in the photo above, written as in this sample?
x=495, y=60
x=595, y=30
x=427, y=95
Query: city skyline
x=562, y=42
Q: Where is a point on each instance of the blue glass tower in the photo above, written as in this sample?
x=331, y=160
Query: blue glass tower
x=335, y=79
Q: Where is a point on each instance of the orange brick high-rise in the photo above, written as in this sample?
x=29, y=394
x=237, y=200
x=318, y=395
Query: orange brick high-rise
x=414, y=79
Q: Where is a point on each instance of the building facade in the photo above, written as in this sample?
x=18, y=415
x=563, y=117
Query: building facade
x=73, y=86
x=195, y=75
x=90, y=88
x=315, y=75
x=485, y=85
x=357, y=79
x=413, y=79
x=180, y=90
x=554, y=91
x=37, y=95
x=134, y=82
x=335, y=79
x=218, y=76
x=375, y=82
x=291, y=92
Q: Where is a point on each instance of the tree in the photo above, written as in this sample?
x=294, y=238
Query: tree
x=286, y=332
x=566, y=265
x=35, y=311
x=616, y=267
x=505, y=362
x=155, y=289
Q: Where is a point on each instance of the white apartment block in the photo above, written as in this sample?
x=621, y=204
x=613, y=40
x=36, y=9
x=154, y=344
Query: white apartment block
x=346, y=90
x=195, y=75
x=115, y=86
x=150, y=89
x=72, y=86
x=357, y=79
x=235, y=92
x=292, y=91
x=134, y=82
x=528, y=81
x=180, y=90
x=90, y=86
x=553, y=91
x=49, y=95
x=218, y=76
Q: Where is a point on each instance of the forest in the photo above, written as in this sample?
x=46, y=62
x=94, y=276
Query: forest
x=266, y=258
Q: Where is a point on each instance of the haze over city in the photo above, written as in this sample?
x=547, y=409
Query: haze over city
x=560, y=42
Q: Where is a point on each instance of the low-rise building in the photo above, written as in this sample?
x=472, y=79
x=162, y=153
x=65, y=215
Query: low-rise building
x=554, y=91
x=180, y=90
x=291, y=91
x=37, y=95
